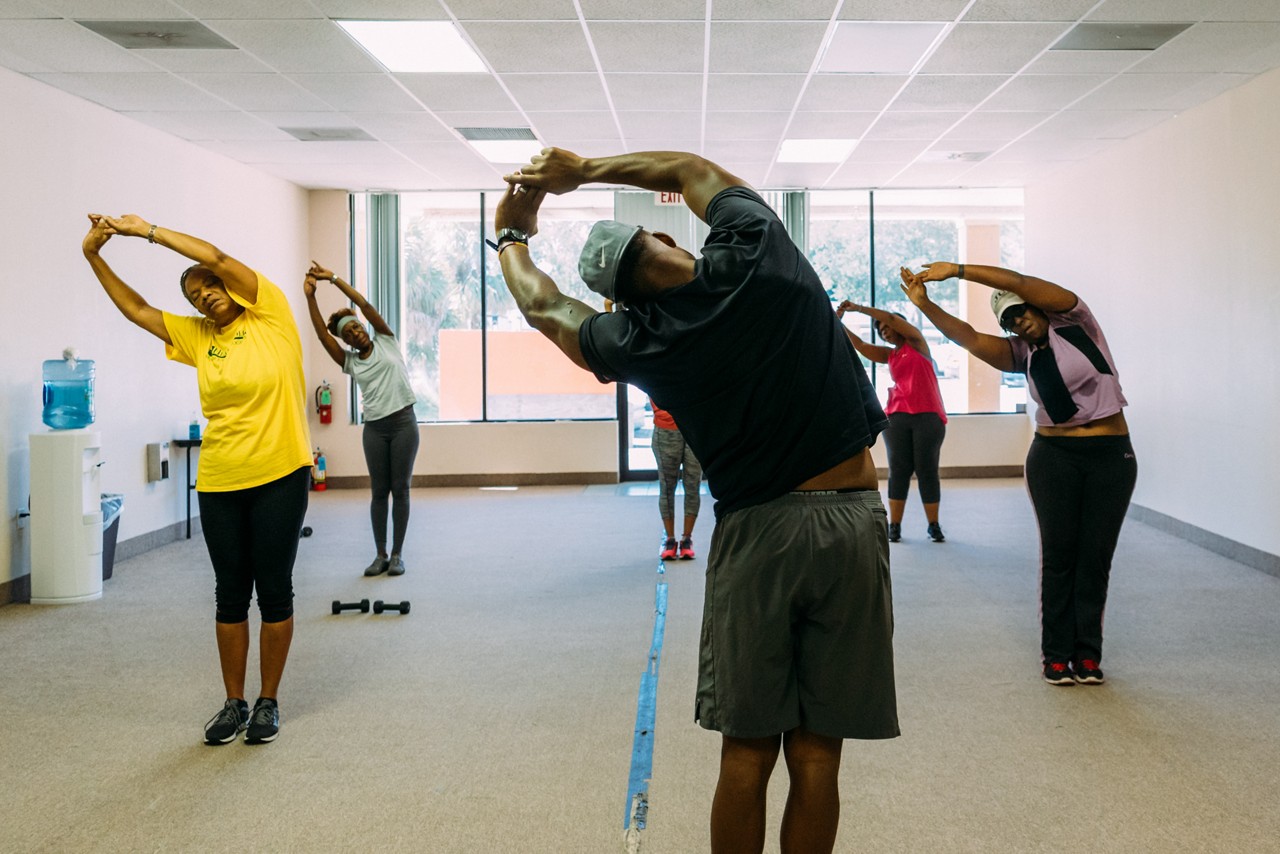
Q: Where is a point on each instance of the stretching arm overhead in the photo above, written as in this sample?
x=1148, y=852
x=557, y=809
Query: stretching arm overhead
x=992, y=349
x=558, y=171
x=1042, y=294
x=131, y=304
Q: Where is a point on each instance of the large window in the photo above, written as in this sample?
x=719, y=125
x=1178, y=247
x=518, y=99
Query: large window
x=472, y=356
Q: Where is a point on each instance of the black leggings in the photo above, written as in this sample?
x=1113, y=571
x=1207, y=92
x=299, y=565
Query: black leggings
x=390, y=446
x=1080, y=488
x=252, y=537
x=914, y=443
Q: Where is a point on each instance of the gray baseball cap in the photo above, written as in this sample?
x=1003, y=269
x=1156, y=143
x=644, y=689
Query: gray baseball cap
x=598, y=263
x=1001, y=300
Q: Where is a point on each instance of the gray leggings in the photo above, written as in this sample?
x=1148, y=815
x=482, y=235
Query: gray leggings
x=676, y=461
x=390, y=445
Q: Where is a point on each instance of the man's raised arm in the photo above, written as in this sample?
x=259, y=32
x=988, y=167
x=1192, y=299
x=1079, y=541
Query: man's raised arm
x=696, y=178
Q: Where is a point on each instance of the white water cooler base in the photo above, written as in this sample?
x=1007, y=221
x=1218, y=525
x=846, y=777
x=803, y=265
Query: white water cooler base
x=66, y=517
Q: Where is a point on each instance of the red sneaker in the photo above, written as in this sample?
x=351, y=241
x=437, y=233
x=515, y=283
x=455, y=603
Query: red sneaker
x=668, y=549
x=686, y=549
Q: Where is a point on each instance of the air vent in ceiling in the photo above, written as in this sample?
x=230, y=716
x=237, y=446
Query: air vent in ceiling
x=475, y=134
x=328, y=134
x=954, y=156
x=159, y=35
x=1116, y=36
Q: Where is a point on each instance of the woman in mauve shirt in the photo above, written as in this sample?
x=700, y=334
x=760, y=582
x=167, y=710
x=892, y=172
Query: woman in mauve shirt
x=917, y=418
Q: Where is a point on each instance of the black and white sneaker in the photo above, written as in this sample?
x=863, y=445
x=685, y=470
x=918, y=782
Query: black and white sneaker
x=935, y=533
x=895, y=532
x=1087, y=672
x=264, y=722
x=1058, y=673
x=228, y=723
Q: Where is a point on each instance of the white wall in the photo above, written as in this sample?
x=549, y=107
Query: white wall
x=63, y=157
x=1174, y=240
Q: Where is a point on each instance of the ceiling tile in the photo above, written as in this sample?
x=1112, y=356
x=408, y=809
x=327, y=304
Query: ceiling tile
x=929, y=175
x=815, y=124
x=532, y=47
x=744, y=125
x=372, y=92
x=474, y=92
x=771, y=10
x=645, y=124
x=1163, y=11
x=946, y=92
x=666, y=47
x=231, y=61
x=655, y=91
x=1043, y=91
x=557, y=91
x=991, y=48
x=116, y=10
x=1034, y=150
x=19, y=9
x=787, y=175
x=137, y=92
x=259, y=91
x=1157, y=91
x=398, y=127
x=251, y=9
x=504, y=10
x=855, y=174
x=553, y=127
x=900, y=151
x=208, y=126
x=650, y=10
x=1028, y=10
x=1085, y=61
x=741, y=150
x=753, y=91
x=297, y=45
x=381, y=10
x=765, y=47
x=1001, y=126
x=912, y=125
x=851, y=91
x=67, y=46
x=1216, y=47
x=902, y=10
x=481, y=119
x=1099, y=124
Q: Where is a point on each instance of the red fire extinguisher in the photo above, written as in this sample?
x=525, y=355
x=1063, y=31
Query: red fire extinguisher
x=318, y=473
x=324, y=402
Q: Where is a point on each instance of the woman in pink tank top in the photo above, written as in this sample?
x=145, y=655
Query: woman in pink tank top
x=917, y=418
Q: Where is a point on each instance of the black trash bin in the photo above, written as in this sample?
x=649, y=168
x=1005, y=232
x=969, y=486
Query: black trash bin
x=112, y=503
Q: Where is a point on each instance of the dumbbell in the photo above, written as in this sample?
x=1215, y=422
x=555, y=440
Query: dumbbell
x=306, y=531
x=379, y=606
x=362, y=606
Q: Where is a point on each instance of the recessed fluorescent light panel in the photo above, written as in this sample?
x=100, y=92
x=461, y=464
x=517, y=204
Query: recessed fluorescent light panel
x=1116, y=36
x=815, y=150
x=517, y=151
x=415, y=46
x=858, y=47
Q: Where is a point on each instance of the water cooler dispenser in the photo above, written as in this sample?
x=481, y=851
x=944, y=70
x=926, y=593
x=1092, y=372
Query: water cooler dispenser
x=66, y=517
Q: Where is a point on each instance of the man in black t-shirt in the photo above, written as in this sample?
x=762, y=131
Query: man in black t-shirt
x=742, y=348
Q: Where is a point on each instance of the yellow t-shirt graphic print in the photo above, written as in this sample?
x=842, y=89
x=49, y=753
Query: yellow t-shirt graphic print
x=252, y=391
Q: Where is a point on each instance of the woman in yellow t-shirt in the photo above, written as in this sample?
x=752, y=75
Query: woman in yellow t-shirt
x=252, y=479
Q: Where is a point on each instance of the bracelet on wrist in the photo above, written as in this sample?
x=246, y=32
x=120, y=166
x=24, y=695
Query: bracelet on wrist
x=151, y=234
x=960, y=273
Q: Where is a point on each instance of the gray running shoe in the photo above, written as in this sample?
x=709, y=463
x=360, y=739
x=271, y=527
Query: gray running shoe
x=264, y=722
x=395, y=566
x=378, y=567
x=230, y=720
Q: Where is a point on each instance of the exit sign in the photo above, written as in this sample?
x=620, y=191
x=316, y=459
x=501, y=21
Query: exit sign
x=665, y=199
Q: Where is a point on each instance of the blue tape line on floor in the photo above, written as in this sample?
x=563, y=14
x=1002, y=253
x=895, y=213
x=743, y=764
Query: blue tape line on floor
x=646, y=713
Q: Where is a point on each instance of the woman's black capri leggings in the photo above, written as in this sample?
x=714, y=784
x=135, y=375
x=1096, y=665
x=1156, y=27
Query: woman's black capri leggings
x=252, y=537
x=914, y=443
x=390, y=446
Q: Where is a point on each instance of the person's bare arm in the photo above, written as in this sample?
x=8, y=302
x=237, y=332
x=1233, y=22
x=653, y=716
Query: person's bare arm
x=992, y=349
x=331, y=345
x=554, y=314
x=874, y=352
x=913, y=336
x=558, y=171
x=238, y=278
x=366, y=308
x=1042, y=294
x=131, y=304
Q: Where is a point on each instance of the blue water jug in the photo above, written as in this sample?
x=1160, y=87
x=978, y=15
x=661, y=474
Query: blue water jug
x=68, y=392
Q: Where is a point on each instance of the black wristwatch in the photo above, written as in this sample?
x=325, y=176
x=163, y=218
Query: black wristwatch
x=511, y=235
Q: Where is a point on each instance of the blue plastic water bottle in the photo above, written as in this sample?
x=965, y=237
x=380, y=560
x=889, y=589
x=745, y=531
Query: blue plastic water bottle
x=68, y=392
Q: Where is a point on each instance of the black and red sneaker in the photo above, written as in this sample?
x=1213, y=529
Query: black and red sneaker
x=1087, y=672
x=668, y=549
x=1058, y=673
x=686, y=548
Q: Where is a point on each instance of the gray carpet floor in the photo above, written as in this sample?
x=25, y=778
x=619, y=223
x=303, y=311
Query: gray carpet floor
x=498, y=715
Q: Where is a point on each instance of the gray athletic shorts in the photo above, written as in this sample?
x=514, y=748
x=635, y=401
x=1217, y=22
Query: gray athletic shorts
x=797, y=623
